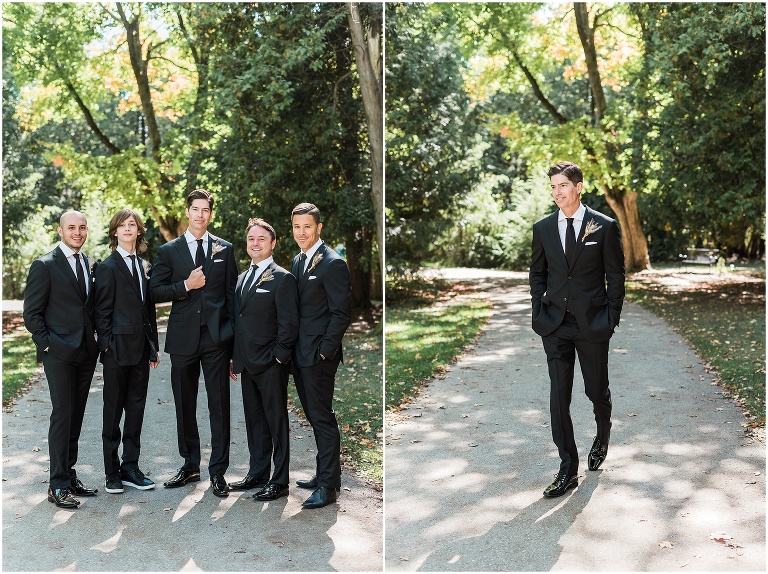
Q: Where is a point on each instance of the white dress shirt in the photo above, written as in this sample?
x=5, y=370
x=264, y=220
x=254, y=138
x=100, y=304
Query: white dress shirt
x=260, y=267
x=562, y=223
x=192, y=243
x=310, y=253
x=71, y=260
x=127, y=258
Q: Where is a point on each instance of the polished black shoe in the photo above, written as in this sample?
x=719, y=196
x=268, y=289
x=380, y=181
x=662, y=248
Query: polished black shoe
x=219, y=486
x=322, y=496
x=113, y=484
x=77, y=488
x=248, y=483
x=310, y=484
x=562, y=484
x=136, y=479
x=183, y=477
x=62, y=498
x=272, y=491
x=597, y=454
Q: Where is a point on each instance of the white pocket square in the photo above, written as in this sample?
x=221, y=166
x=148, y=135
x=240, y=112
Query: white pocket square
x=218, y=261
x=312, y=277
x=260, y=290
x=591, y=243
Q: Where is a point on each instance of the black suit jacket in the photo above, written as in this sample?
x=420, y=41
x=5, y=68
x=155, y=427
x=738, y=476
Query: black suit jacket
x=325, y=307
x=216, y=299
x=594, y=283
x=54, y=310
x=266, y=322
x=124, y=324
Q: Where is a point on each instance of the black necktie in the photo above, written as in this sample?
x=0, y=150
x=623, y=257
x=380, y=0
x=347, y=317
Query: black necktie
x=136, y=278
x=570, y=242
x=302, y=259
x=200, y=255
x=80, y=277
x=247, y=286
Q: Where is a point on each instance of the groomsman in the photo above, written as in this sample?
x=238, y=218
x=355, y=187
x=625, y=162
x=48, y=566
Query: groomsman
x=127, y=338
x=266, y=326
x=197, y=271
x=577, y=292
x=325, y=310
x=58, y=311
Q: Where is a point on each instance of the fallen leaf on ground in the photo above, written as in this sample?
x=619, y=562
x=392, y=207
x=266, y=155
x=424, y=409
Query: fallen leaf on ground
x=463, y=415
x=720, y=536
x=35, y=449
x=666, y=544
x=473, y=444
x=631, y=414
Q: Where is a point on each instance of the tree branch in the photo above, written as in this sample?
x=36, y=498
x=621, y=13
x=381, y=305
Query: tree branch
x=89, y=119
x=190, y=42
x=559, y=118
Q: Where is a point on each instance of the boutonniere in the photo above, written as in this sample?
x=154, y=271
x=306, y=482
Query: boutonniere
x=216, y=247
x=591, y=227
x=91, y=266
x=266, y=276
x=315, y=260
x=145, y=266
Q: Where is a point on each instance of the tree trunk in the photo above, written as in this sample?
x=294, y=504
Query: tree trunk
x=369, y=70
x=633, y=240
x=361, y=279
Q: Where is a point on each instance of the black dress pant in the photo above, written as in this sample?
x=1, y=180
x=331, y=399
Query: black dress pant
x=185, y=375
x=315, y=386
x=265, y=402
x=125, y=390
x=561, y=348
x=69, y=384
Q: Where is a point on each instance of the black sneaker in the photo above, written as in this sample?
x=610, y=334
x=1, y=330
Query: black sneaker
x=113, y=484
x=136, y=479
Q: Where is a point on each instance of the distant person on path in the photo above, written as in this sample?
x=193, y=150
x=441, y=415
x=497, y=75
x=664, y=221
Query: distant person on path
x=58, y=311
x=266, y=327
x=127, y=337
x=197, y=271
x=325, y=309
x=577, y=291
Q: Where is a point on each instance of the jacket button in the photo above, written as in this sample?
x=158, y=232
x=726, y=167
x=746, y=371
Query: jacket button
x=569, y=276
x=565, y=298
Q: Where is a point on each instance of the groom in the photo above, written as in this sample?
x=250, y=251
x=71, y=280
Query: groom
x=577, y=291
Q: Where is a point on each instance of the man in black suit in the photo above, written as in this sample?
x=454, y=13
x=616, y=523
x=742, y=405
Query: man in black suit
x=577, y=291
x=325, y=310
x=58, y=311
x=197, y=271
x=127, y=337
x=266, y=326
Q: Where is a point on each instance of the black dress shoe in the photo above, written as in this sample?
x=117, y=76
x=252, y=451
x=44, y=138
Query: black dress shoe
x=77, y=487
x=597, y=454
x=248, y=483
x=273, y=491
x=562, y=483
x=219, y=486
x=62, y=498
x=310, y=484
x=183, y=477
x=322, y=496
x=136, y=479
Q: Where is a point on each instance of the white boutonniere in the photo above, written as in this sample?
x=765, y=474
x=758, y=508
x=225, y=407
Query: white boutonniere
x=216, y=247
x=145, y=267
x=591, y=227
x=266, y=276
x=315, y=260
x=91, y=266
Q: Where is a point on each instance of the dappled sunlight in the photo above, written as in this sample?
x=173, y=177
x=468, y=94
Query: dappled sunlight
x=459, y=399
x=445, y=469
x=191, y=566
x=225, y=505
x=684, y=449
x=60, y=517
x=110, y=543
x=127, y=510
x=189, y=501
x=410, y=509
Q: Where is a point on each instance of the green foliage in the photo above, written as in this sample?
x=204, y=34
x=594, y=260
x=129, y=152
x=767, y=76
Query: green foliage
x=702, y=136
x=19, y=362
x=431, y=133
x=725, y=322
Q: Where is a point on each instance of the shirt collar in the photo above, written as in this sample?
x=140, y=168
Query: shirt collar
x=262, y=265
x=67, y=250
x=579, y=215
x=123, y=252
x=311, y=251
x=191, y=238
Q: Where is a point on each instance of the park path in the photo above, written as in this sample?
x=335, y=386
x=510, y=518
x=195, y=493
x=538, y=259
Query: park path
x=468, y=459
x=187, y=528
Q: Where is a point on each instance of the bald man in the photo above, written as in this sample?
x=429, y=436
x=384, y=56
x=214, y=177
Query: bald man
x=58, y=311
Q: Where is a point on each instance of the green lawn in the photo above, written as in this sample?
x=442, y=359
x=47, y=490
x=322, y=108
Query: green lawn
x=423, y=336
x=19, y=362
x=724, y=321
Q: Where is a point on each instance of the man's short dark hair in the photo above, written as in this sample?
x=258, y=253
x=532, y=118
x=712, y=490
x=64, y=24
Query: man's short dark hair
x=200, y=194
x=304, y=208
x=569, y=170
x=259, y=222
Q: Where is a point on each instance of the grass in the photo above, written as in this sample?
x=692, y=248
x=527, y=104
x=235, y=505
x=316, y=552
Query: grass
x=357, y=398
x=724, y=319
x=424, y=335
x=19, y=362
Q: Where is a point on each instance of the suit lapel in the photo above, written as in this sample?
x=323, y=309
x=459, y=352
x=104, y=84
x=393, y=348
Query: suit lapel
x=209, y=258
x=183, y=251
x=580, y=238
x=305, y=278
x=61, y=261
x=252, y=290
x=123, y=267
x=554, y=233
